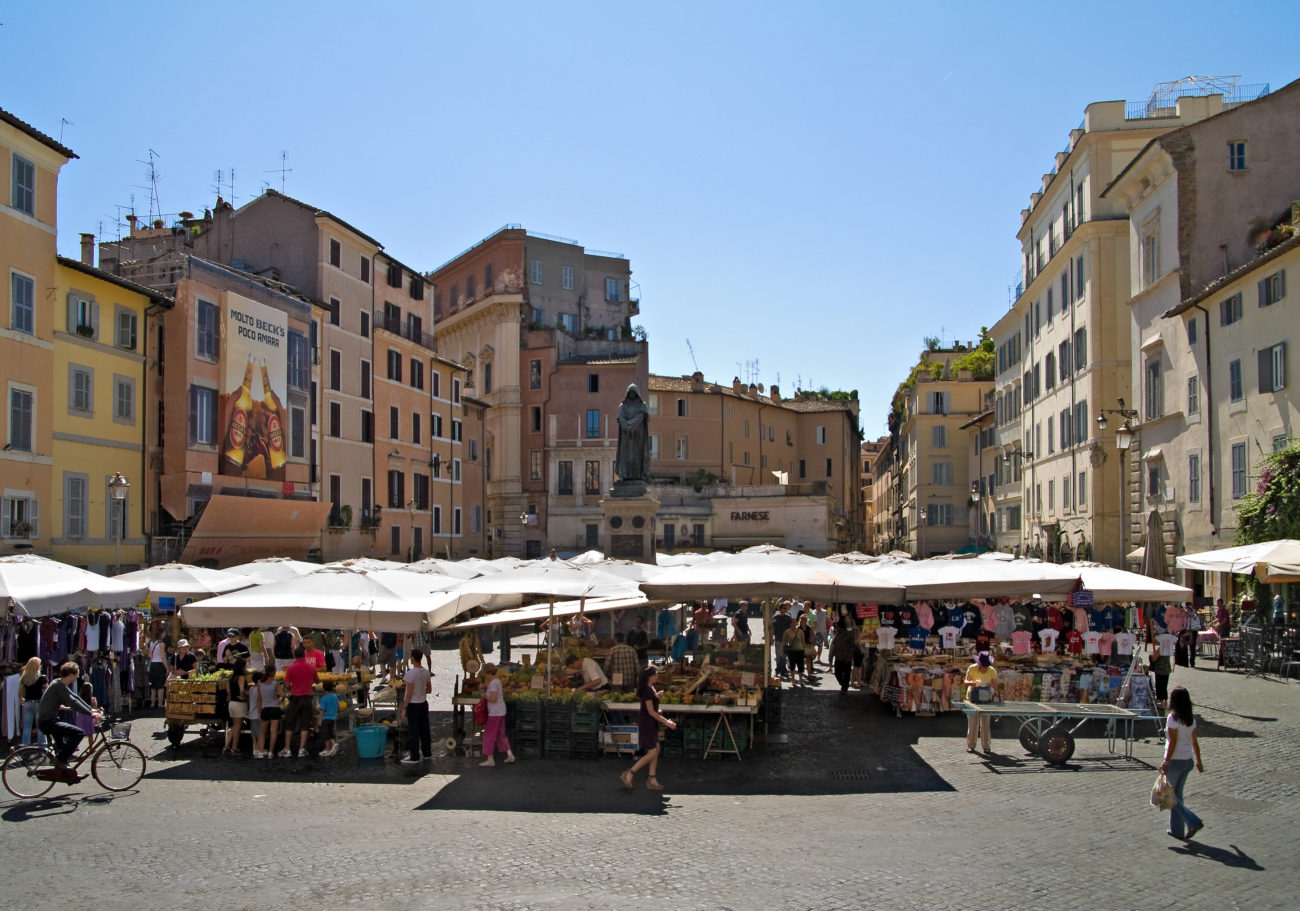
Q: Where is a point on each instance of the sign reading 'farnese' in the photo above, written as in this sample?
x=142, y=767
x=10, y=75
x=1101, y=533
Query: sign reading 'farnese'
x=759, y=515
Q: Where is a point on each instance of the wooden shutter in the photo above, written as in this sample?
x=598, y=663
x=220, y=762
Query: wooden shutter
x=1266, y=370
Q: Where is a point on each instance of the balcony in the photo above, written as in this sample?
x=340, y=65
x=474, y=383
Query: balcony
x=399, y=327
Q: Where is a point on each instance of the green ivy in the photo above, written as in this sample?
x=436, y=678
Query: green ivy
x=1272, y=510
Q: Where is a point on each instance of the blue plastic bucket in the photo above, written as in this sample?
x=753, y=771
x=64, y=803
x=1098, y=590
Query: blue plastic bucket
x=372, y=739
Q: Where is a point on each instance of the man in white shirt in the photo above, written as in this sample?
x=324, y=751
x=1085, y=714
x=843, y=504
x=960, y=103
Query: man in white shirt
x=593, y=678
x=415, y=705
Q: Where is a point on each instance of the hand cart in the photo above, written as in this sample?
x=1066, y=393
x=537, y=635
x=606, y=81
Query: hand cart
x=1045, y=730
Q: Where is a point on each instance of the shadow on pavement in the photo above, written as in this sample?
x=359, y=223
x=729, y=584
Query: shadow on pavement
x=58, y=804
x=1234, y=858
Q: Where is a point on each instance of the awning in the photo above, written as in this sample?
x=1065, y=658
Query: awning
x=1152, y=454
x=238, y=529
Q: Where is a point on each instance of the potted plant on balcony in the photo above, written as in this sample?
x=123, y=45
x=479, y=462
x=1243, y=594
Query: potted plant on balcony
x=21, y=529
x=370, y=520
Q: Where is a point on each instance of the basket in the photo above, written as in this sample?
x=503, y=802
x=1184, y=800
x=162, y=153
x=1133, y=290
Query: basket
x=372, y=740
x=120, y=731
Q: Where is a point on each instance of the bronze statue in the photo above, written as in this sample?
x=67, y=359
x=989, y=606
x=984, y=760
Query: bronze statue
x=633, y=459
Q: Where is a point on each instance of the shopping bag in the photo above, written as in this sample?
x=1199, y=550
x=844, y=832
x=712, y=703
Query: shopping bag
x=481, y=712
x=1162, y=793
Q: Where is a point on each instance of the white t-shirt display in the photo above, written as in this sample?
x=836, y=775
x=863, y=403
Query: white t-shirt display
x=948, y=636
x=1166, y=643
x=1091, y=643
x=1048, y=639
x=885, y=638
x=1124, y=643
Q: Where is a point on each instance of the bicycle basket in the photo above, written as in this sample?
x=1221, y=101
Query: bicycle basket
x=120, y=732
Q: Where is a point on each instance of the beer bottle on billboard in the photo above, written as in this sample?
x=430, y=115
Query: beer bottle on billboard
x=273, y=412
x=237, y=424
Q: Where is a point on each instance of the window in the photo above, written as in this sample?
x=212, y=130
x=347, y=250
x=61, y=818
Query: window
x=335, y=307
x=535, y=271
x=940, y=473
x=803, y=468
x=1234, y=381
x=417, y=288
x=487, y=281
x=654, y=446
x=1191, y=331
x=207, y=335
x=1194, y=478
x=299, y=370
x=365, y=379
x=535, y=418
x=591, y=477
x=1230, y=310
x=455, y=521
x=697, y=534
x=396, y=490
x=81, y=383
x=821, y=436
x=297, y=433
x=1051, y=496
x=435, y=426
x=1272, y=368
x=1081, y=490
x=611, y=289
x=564, y=478
x=435, y=387
x=939, y=436
x=1153, y=479
x=1066, y=502
x=593, y=423
x=938, y=404
x=1150, y=258
x=417, y=373
x=455, y=391
x=336, y=420
x=938, y=514
x=1272, y=289
x=568, y=322
x=1078, y=278
x=437, y=520
x=456, y=430
x=394, y=365
x=394, y=275
x=1238, y=470
x=124, y=399
x=17, y=511
x=487, y=378
x=336, y=369
x=670, y=536
x=23, y=311
x=336, y=252
x=535, y=374
x=367, y=426
x=203, y=416
x=124, y=328
x=394, y=423
x=1193, y=395
x=23, y=197
x=1049, y=367
x=681, y=408
x=1237, y=156
x=1081, y=422
x=437, y=305
x=593, y=382
x=75, y=505
x=455, y=298
x=566, y=277
x=469, y=287
x=1155, y=390
x=365, y=269
x=1050, y=305
x=681, y=448
x=534, y=464
x=475, y=515
x=415, y=428
x=21, y=418
x=1063, y=360
x=1080, y=348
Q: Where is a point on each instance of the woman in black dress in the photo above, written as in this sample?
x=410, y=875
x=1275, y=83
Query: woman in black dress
x=648, y=722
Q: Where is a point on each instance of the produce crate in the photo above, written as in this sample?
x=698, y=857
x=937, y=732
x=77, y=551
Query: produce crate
x=585, y=722
x=586, y=745
x=557, y=746
x=528, y=750
x=672, y=752
x=521, y=709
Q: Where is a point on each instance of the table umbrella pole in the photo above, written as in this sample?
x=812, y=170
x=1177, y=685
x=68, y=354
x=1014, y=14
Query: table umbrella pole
x=550, y=640
x=767, y=659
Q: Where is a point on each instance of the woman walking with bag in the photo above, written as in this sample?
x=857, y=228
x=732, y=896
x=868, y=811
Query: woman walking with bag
x=1182, y=751
x=648, y=730
x=494, y=732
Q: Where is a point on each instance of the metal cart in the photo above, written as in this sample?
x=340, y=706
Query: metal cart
x=1045, y=729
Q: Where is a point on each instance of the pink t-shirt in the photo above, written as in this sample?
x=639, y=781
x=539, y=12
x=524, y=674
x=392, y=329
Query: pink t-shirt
x=1020, y=641
x=988, y=617
x=301, y=676
x=1175, y=620
x=1106, y=644
x=924, y=616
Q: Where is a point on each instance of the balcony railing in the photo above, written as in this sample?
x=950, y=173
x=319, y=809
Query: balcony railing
x=399, y=327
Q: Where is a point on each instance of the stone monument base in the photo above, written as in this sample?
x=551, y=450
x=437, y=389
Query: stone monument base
x=628, y=529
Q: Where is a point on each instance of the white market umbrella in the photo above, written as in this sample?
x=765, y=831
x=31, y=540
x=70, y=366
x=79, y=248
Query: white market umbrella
x=590, y=556
x=42, y=586
x=366, y=564
x=330, y=598
x=273, y=569
x=1271, y=561
x=771, y=575
x=535, y=612
x=453, y=568
x=182, y=580
x=1110, y=584
x=978, y=578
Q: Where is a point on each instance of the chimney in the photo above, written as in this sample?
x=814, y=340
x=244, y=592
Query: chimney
x=131, y=220
x=88, y=249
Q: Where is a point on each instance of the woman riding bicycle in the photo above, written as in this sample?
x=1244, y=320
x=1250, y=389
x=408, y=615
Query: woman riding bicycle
x=60, y=695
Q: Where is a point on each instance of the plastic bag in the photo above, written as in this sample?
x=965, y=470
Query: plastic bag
x=1162, y=793
x=481, y=711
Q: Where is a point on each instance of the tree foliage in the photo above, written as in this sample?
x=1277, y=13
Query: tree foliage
x=1272, y=510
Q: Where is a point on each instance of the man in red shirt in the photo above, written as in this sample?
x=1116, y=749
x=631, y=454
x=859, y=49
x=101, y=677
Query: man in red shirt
x=299, y=677
x=314, y=655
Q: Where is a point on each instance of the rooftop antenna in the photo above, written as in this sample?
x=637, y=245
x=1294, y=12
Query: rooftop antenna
x=282, y=170
x=64, y=122
x=155, y=206
x=692, y=351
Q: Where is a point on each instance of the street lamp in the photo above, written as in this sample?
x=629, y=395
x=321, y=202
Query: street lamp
x=1024, y=455
x=117, y=488
x=1123, y=440
x=979, y=515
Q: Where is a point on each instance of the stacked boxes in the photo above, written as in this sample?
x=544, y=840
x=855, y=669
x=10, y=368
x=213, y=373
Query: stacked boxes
x=524, y=723
x=585, y=726
x=558, y=741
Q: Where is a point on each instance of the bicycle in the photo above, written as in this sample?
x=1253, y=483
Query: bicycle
x=115, y=762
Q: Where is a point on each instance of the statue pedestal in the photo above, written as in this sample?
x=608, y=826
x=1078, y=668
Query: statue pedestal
x=627, y=531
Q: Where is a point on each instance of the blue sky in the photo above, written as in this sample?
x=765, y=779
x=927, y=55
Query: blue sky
x=814, y=187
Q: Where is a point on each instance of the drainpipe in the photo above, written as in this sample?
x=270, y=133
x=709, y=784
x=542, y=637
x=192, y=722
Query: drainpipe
x=1209, y=425
x=145, y=529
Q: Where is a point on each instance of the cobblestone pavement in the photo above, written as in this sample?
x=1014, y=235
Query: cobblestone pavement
x=855, y=808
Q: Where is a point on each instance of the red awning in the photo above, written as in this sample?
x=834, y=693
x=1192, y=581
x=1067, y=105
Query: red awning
x=235, y=530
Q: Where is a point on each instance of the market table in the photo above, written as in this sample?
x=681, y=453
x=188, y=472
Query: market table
x=1043, y=730
x=722, y=724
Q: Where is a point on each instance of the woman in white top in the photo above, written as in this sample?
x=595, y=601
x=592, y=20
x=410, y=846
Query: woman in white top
x=1182, y=749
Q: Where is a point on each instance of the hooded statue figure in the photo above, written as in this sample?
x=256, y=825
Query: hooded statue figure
x=633, y=461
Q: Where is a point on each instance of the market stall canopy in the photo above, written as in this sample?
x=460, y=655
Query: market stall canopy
x=42, y=586
x=536, y=612
x=239, y=529
x=544, y=579
x=682, y=559
x=772, y=575
x=978, y=578
x=331, y=598
x=1271, y=561
x=182, y=581
x=1109, y=584
x=453, y=568
x=273, y=569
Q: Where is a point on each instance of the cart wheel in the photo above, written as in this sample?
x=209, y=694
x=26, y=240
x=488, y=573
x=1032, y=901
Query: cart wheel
x=175, y=733
x=1057, y=746
x=1031, y=734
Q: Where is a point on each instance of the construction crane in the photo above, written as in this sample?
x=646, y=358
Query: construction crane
x=692, y=351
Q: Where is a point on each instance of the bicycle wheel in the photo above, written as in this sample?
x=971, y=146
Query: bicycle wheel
x=27, y=772
x=118, y=766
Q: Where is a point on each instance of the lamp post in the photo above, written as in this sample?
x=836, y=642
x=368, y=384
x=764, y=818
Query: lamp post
x=1023, y=455
x=410, y=506
x=1123, y=440
x=117, y=488
x=979, y=513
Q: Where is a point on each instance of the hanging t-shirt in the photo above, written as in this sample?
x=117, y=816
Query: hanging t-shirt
x=924, y=616
x=1175, y=619
x=1048, y=639
x=956, y=617
x=1124, y=643
x=118, y=636
x=1165, y=642
x=1110, y=618
x=1158, y=616
x=1074, y=642
x=1096, y=618
x=888, y=617
x=1023, y=615
x=92, y=635
x=1082, y=619
x=988, y=617
x=1020, y=641
x=916, y=637
x=905, y=617
x=885, y=638
x=983, y=640
x=974, y=623
x=1055, y=619
x=1106, y=644
x=1092, y=643
x=1038, y=617
x=1005, y=623
x=948, y=636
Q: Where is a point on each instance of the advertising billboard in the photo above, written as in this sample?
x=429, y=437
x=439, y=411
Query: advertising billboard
x=254, y=379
